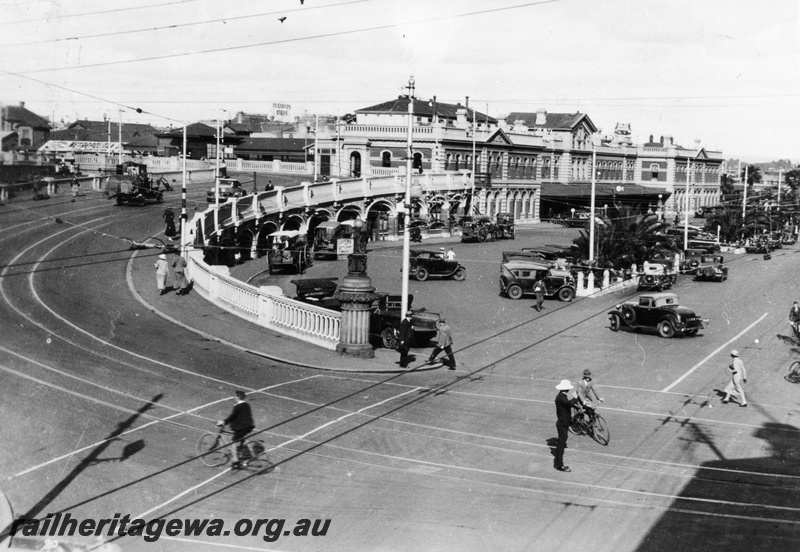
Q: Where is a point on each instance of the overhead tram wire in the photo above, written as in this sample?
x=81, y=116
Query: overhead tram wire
x=85, y=14
x=291, y=40
x=179, y=25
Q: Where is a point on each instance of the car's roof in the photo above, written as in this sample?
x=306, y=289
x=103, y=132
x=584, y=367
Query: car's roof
x=229, y=180
x=661, y=295
x=530, y=265
x=425, y=252
x=329, y=224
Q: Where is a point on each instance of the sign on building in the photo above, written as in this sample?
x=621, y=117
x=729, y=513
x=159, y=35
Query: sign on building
x=281, y=112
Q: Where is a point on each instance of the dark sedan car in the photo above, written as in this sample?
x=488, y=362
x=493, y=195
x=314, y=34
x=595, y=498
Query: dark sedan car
x=712, y=269
x=517, y=278
x=659, y=311
x=432, y=263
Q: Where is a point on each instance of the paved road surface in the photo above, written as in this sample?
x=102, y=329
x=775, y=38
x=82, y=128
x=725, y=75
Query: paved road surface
x=103, y=399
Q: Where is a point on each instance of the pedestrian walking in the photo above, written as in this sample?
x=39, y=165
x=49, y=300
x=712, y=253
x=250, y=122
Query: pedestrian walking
x=444, y=342
x=538, y=289
x=162, y=271
x=179, y=266
x=75, y=187
x=564, y=406
x=738, y=378
x=169, y=220
x=406, y=336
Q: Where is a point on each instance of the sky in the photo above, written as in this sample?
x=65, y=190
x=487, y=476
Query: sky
x=724, y=72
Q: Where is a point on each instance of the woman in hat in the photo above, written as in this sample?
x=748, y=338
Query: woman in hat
x=738, y=376
x=162, y=271
x=564, y=406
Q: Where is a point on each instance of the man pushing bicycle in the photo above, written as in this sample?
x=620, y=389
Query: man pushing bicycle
x=241, y=423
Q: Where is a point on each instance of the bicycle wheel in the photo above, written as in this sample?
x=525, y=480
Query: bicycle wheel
x=794, y=373
x=600, y=431
x=577, y=428
x=256, y=460
x=212, y=450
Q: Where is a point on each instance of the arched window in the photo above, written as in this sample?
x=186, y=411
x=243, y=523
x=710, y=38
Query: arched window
x=458, y=161
x=386, y=159
x=447, y=162
x=653, y=172
x=417, y=162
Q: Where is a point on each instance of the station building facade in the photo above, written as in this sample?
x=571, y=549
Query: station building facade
x=530, y=164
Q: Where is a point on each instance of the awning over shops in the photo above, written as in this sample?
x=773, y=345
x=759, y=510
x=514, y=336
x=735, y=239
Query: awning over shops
x=71, y=146
x=561, y=198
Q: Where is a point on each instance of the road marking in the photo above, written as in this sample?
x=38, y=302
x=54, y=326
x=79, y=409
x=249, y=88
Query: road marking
x=158, y=420
x=284, y=444
x=724, y=345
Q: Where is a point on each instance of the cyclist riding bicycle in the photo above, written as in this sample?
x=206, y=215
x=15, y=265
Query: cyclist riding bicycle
x=241, y=423
x=794, y=320
x=585, y=390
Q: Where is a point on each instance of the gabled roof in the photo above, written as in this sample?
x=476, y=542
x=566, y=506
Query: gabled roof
x=195, y=130
x=133, y=134
x=425, y=108
x=553, y=121
x=272, y=144
x=19, y=115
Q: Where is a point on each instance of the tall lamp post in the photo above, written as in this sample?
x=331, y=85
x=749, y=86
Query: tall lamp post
x=407, y=200
x=686, y=204
x=591, y=208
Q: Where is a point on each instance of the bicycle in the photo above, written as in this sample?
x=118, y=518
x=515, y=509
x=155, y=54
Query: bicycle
x=214, y=450
x=794, y=373
x=591, y=424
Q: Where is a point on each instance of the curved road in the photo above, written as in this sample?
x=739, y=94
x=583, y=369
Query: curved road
x=103, y=400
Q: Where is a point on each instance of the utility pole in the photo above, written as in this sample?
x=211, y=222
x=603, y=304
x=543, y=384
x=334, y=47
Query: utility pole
x=407, y=201
x=686, y=204
x=591, y=208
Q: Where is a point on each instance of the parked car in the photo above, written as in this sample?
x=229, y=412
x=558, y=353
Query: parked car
x=477, y=229
x=228, y=187
x=504, y=228
x=691, y=260
x=657, y=275
x=708, y=246
x=132, y=189
x=288, y=250
x=385, y=318
x=553, y=252
x=431, y=263
x=712, y=269
x=659, y=311
x=517, y=278
x=760, y=245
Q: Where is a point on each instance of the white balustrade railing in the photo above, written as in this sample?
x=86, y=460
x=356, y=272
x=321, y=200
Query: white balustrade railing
x=276, y=312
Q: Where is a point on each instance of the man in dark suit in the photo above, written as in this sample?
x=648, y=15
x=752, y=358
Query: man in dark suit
x=241, y=423
x=406, y=336
x=564, y=405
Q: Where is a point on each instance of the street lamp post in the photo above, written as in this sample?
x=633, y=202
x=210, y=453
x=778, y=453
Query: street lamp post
x=591, y=208
x=407, y=200
x=686, y=204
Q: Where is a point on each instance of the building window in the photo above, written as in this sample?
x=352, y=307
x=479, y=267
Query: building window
x=654, y=172
x=386, y=159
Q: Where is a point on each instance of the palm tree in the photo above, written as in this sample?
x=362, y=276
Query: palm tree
x=629, y=238
x=729, y=221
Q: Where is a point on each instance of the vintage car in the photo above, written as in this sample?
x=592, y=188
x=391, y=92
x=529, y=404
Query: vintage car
x=288, y=250
x=553, y=252
x=384, y=321
x=712, y=269
x=708, y=246
x=760, y=245
x=691, y=260
x=228, y=187
x=431, y=263
x=504, y=228
x=134, y=189
x=477, y=229
x=384, y=318
x=659, y=311
x=517, y=278
x=657, y=275
x=328, y=233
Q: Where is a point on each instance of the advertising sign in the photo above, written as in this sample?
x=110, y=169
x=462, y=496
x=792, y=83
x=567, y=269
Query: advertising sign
x=344, y=247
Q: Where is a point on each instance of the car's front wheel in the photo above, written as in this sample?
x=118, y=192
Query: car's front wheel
x=389, y=338
x=514, y=292
x=615, y=323
x=665, y=329
x=461, y=274
x=566, y=294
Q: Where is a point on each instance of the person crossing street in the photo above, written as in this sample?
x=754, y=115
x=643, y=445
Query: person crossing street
x=444, y=342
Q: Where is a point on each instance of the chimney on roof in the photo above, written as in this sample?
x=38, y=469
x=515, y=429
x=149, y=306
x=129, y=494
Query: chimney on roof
x=697, y=145
x=541, y=117
x=22, y=105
